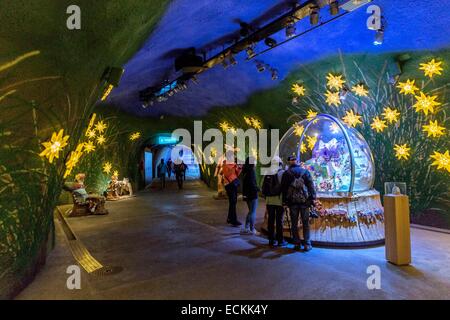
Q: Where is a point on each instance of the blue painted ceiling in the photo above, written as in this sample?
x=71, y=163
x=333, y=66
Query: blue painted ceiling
x=211, y=24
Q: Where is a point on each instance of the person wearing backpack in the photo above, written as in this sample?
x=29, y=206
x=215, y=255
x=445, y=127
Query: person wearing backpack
x=271, y=190
x=231, y=172
x=298, y=194
x=250, y=195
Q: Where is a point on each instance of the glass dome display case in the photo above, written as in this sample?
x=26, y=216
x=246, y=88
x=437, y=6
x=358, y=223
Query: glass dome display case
x=342, y=166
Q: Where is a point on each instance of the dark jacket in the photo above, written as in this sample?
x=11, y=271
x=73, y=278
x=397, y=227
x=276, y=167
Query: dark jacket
x=289, y=176
x=249, y=186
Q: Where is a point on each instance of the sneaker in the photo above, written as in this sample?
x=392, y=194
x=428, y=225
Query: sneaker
x=282, y=243
x=245, y=231
x=307, y=248
x=255, y=232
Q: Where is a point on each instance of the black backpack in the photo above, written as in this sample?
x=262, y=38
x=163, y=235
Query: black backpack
x=271, y=186
x=297, y=193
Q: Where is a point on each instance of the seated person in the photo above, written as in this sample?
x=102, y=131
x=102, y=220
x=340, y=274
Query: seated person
x=80, y=194
x=112, y=192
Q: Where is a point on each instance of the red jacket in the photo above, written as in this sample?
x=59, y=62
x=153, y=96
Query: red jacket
x=231, y=172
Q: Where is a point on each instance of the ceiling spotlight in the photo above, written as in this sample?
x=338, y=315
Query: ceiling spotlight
x=233, y=61
x=260, y=66
x=290, y=29
x=334, y=7
x=379, y=37
x=270, y=42
x=250, y=52
x=314, y=15
x=274, y=73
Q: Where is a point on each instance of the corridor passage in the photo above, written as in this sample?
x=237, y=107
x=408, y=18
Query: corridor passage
x=175, y=245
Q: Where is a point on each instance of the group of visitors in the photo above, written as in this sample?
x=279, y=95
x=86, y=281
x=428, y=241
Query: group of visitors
x=179, y=169
x=289, y=189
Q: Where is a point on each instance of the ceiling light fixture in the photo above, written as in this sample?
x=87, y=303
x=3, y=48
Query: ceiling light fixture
x=314, y=15
x=334, y=7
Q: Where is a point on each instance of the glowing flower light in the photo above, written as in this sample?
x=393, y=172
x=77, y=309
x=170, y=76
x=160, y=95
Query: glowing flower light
x=431, y=68
x=426, y=103
x=311, y=114
x=298, y=89
x=360, y=90
x=352, y=119
x=256, y=123
x=107, y=92
x=107, y=167
x=116, y=173
x=89, y=147
x=101, y=126
x=134, y=136
x=73, y=159
x=390, y=115
x=248, y=120
x=101, y=139
x=311, y=141
x=433, y=129
x=441, y=160
x=91, y=123
x=224, y=126
x=54, y=146
x=303, y=148
x=402, y=151
x=378, y=125
x=407, y=87
x=332, y=98
x=335, y=81
x=298, y=129
x=90, y=134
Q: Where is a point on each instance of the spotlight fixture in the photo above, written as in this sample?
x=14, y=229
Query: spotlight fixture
x=334, y=7
x=270, y=42
x=250, y=52
x=274, y=74
x=314, y=15
x=379, y=37
x=260, y=66
x=290, y=28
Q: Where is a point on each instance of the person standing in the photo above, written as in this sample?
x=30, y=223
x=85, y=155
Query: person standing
x=231, y=172
x=250, y=193
x=169, y=168
x=184, y=169
x=298, y=195
x=161, y=172
x=179, y=174
x=271, y=189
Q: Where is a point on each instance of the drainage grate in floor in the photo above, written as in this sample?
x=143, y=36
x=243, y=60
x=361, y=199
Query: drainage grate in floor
x=106, y=271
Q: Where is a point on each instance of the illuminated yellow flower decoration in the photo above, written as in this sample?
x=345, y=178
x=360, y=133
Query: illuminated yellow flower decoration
x=116, y=173
x=378, y=125
x=247, y=120
x=134, y=136
x=433, y=129
x=232, y=130
x=54, y=146
x=224, y=126
x=298, y=129
x=91, y=123
x=335, y=81
x=426, y=103
x=89, y=147
x=441, y=160
x=90, y=134
x=402, y=151
x=107, y=167
x=390, y=115
x=256, y=123
x=73, y=159
x=407, y=87
x=360, y=90
x=303, y=148
x=333, y=98
x=101, y=139
x=352, y=119
x=298, y=89
x=431, y=68
x=311, y=114
x=100, y=126
x=311, y=141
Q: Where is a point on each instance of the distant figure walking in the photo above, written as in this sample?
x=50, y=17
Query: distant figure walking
x=179, y=170
x=169, y=168
x=161, y=172
x=250, y=193
x=271, y=189
x=231, y=172
x=298, y=195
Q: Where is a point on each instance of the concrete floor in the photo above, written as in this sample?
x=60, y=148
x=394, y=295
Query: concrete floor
x=175, y=245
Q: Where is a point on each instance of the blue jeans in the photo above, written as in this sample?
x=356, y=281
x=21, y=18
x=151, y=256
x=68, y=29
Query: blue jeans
x=251, y=216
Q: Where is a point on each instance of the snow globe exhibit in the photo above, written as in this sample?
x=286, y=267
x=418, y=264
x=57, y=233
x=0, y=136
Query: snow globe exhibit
x=342, y=167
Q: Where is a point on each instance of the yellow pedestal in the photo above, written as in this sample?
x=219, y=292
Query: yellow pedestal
x=397, y=229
